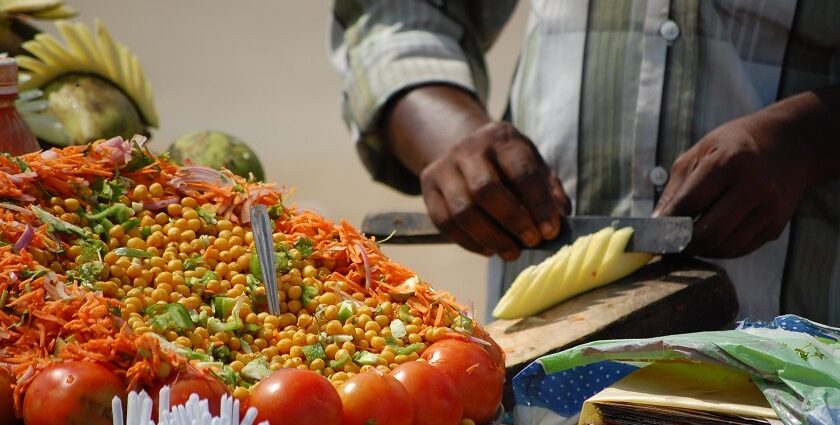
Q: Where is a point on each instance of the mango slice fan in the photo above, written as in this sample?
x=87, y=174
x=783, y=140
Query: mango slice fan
x=84, y=52
x=590, y=262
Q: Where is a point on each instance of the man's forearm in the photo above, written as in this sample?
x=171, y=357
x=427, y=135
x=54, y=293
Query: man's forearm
x=812, y=120
x=424, y=123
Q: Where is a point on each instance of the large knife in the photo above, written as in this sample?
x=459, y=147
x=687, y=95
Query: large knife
x=661, y=235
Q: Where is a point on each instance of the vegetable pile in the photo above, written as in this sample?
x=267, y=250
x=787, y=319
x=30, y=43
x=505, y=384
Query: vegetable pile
x=118, y=266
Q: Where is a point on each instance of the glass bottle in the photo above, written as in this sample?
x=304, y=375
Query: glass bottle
x=16, y=137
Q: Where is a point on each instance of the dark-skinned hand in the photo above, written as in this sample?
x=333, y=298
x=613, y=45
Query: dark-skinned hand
x=742, y=183
x=492, y=192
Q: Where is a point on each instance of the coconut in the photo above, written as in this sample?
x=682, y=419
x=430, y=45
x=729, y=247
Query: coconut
x=91, y=108
x=217, y=149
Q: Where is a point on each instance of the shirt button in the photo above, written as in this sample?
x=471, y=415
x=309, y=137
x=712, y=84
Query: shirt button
x=669, y=30
x=658, y=176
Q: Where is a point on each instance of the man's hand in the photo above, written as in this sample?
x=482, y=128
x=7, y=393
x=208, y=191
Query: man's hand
x=492, y=192
x=485, y=185
x=742, y=185
x=744, y=180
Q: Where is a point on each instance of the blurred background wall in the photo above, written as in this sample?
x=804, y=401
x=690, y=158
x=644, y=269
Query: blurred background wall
x=259, y=70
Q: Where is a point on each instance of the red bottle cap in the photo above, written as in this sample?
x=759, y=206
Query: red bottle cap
x=8, y=76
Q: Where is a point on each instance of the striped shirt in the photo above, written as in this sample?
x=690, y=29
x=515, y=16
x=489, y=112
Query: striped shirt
x=612, y=92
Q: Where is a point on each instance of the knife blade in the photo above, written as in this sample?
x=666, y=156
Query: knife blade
x=660, y=235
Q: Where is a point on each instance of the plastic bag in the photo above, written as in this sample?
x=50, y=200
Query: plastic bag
x=794, y=362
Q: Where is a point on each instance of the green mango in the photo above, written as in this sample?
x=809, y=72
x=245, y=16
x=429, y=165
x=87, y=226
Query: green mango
x=90, y=108
x=217, y=149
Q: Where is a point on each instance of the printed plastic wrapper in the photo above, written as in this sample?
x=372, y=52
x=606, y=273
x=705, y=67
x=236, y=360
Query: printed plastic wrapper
x=793, y=361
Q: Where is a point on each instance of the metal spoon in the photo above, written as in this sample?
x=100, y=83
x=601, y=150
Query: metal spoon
x=261, y=228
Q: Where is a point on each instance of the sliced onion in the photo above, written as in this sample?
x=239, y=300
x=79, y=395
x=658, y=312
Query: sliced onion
x=245, y=213
x=199, y=174
x=478, y=341
x=14, y=208
x=30, y=372
x=366, y=260
x=21, y=177
x=139, y=139
x=118, y=149
x=253, y=194
x=160, y=203
x=49, y=155
x=25, y=239
x=56, y=292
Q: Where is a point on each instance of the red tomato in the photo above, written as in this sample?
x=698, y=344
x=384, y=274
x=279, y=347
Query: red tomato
x=432, y=393
x=478, y=380
x=294, y=396
x=183, y=384
x=7, y=402
x=71, y=393
x=493, y=349
x=372, y=398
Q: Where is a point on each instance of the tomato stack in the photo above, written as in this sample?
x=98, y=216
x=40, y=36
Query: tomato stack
x=120, y=270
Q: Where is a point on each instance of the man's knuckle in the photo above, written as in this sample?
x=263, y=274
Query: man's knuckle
x=462, y=211
x=526, y=172
x=441, y=219
x=483, y=189
x=502, y=130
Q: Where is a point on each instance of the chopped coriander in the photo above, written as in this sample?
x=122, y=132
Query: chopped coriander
x=304, y=246
x=275, y=211
x=140, y=157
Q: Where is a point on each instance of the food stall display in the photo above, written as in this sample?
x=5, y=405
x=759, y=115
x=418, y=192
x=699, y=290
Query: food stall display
x=120, y=270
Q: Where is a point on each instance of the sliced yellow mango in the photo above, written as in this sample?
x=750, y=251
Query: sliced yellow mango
x=591, y=261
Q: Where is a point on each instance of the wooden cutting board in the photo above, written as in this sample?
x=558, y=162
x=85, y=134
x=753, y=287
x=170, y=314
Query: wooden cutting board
x=665, y=297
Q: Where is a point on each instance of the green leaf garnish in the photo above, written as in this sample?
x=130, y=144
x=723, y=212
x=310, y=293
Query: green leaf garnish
x=304, y=246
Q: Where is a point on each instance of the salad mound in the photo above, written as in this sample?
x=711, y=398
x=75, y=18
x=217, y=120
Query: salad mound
x=110, y=254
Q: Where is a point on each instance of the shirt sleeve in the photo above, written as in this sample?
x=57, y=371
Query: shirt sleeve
x=382, y=48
